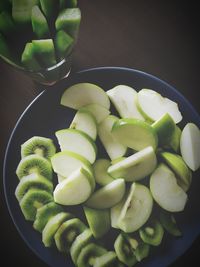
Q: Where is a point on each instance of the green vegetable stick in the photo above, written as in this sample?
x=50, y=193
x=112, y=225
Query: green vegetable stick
x=69, y=20
x=28, y=58
x=49, y=7
x=39, y=23
x=6, y=23
x=64, y=43
x=21, y=10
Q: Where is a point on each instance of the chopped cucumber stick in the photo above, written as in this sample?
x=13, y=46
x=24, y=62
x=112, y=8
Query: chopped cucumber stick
x=45, y=52
x=49, y=8
x=64, y=43
x=82, y=94
x=39, y=23
x=135, y=167
x=21, y=10
x=165, y=190
x=135, y=134
x=69, y=20
x=169, y=223
x=4, y=49
x=28, y=58
x=6, y=23
x=113, y=147
x=98, y=220
x=100, y=172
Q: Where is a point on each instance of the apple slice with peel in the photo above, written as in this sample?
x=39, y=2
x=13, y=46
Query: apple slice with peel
x=135, y=134
x=177, y=164
x=111, y=144
x=115, y=212
x=99, y=112
x=107, y=196
x=137, y=208
x=66, y=162
x=190, y=146
x=165, y=190
x=124, y=98
x=136, y=166
x=153, y=106
x=100, y=172
x=79, y=181
x=60, y=178
x=174, y=142
x=85, y=122
x=77, y=142
x=82, y=94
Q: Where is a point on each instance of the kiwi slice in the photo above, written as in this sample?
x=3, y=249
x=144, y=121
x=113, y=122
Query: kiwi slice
x=125, y=251
x=88, y=255
x=152, y=233
x=80, y=242
x=44, y=214
x=108, y=259
x=34, y=164
x=32, y=200
x=33, y=180
x=38, y=145
x=52, y=226
x=67, y=233
x=169, y=223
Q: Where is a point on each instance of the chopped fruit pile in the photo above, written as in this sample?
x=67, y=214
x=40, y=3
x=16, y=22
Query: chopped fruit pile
x=130, y=196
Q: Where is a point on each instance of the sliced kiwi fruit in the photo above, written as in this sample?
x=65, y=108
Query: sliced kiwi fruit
x=169, y=223
x=88, y=255
x=125, y=251
x=44, y=214
x=108, y=259
x=52, y=226
x=80, y=242
x=152, y=233
x=38, y=145
x=33, y=180
x=32, y=200
x=67, y=233
x=34, y=164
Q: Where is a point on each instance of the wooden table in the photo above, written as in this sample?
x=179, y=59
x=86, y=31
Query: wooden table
x=158, y=37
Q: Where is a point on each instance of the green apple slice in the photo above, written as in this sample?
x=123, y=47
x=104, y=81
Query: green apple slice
x=66, y=162
x=100, y=172
x=164, y=128
x=85, y=122
x=153, y=106
x=177, y=164
x=65, y=192
x=174, y=141
x=112, y=146
x=190, y=146
x=82, y=94
x=136, y=166
x=115, y=212
x=165, y=190
x=107, y=196
x=75, y=140
x=98, y=111
x=137, y=208
x=60, y=178
x=135, y=134
x=124, y=98
x=98, y=220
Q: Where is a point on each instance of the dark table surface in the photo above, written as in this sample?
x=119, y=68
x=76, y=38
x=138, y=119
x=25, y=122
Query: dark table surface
x=158, y=37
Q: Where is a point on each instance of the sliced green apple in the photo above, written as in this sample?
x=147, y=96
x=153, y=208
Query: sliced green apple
x=100, y=172
x=107, y=196
x=174, y=141
x=153, y=106
x=85, y=122
x=82, y=94
x=60, y=178
x=124, y=98
x=78, y=142
x=66, y=162
x=165, y=190
x=135, y=134
x=99, y=112
x=190, y=146
x=115, y=212
x=137, y=208
x=111, y=144
x=177, y=164
x=79, y=181
x=136, y=166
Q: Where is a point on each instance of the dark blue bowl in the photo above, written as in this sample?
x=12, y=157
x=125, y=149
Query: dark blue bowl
x=45, y=115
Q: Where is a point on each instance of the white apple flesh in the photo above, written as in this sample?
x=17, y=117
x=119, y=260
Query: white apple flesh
x=99, y=112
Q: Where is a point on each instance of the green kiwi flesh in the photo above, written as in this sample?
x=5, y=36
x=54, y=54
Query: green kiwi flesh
x=169, y=223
